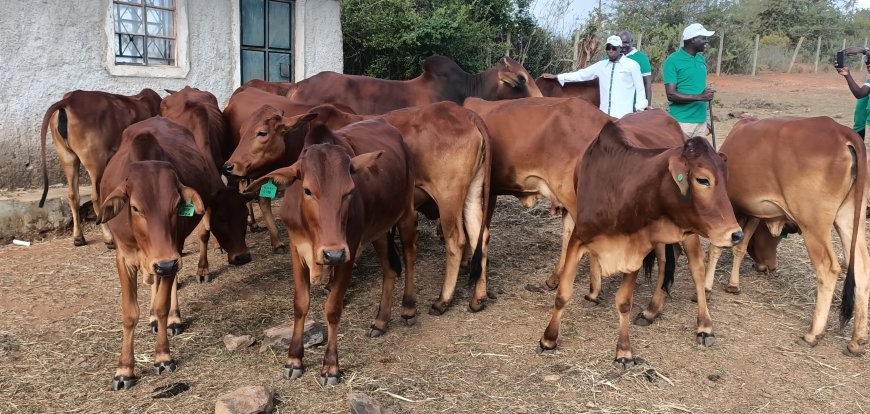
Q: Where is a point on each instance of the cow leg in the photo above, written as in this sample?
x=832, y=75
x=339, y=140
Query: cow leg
x=844, y=224
x=71, y=163
x=657, y=302
x=624, y=296
x=96, y=178
x=329, y=373
x=266, y=208
x=567, y=227
x=379, y=326
x=408, y=235
x=563, y=294
x=473, y=215
x=202, y=273
x=162, y=358
x=713, y=254
x=454, y=243
x=294, y=367
x=480, y=292
x=739, y=252
x=174, y=319
x=695, y=256
x=124, y=378
x=820, y=248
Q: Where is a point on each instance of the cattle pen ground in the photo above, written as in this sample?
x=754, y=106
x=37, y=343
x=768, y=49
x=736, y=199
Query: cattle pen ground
x=60, y=327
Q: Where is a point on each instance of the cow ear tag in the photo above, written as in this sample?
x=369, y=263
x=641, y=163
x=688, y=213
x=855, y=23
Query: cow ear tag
x=186, y=209
x=268, y=190
x=680, y=177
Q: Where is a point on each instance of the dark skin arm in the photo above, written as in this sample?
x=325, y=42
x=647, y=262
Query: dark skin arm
x=647, y=86
x=677, y=97
x=858, y=91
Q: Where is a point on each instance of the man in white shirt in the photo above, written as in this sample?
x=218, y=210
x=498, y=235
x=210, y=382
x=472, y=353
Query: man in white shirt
x=619, y=80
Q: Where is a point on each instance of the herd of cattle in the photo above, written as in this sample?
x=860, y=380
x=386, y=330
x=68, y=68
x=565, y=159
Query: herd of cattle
x=359, y=157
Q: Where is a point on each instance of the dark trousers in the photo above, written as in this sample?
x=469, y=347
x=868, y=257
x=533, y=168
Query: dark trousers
x=861, y=133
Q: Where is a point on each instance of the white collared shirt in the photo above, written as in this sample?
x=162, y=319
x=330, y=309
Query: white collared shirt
x=620, y=85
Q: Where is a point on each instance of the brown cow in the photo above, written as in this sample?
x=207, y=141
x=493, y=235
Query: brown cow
x=451, y=153
x=442, y=80
x=86, y=127
x=775, y=168
x=198, y=111
x=587, y=90
x=152, y=187
x=351, y=188
x=629, y=199
x=277, y=88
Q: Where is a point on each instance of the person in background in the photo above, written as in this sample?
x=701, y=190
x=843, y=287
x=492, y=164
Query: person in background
x=619, y=81
x=642, y=60
x=861, y=92
x=685, y=78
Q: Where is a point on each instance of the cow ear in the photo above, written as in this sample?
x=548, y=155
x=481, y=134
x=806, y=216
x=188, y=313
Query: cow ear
x=283, y=176
x=510, y=78
x=723, y=156
x=113, y=203
x=363, y=161
x=296, y=122
x=188, y=194
x=680, y=173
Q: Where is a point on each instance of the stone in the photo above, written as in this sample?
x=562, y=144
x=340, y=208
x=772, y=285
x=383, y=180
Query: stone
x=235, y=343
x=279, y=336
x=246, y=400
x=361, y=403
x=552, y=378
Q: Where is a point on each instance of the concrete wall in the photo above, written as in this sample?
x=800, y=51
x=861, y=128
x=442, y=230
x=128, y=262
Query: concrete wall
x=49, y=47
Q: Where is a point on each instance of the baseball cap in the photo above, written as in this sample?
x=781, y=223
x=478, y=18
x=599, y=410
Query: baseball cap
x=614, y=41
x=694, y=30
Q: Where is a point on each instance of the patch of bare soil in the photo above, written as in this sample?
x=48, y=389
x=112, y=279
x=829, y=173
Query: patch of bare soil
x=60, y=330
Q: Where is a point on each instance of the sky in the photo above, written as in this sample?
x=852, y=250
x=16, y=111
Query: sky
x=563, y=21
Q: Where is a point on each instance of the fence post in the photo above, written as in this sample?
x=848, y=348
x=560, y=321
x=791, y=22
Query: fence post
x=794, y=56
x=639, y=45
x=755, y=55
x=719, y=58
x=818, y=50
x=575, y=61
x=844, y=44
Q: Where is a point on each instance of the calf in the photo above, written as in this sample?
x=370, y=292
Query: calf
x=348, y=189
x=587, y=90
x=156, y=189
x=86, y=127
x=629, y=199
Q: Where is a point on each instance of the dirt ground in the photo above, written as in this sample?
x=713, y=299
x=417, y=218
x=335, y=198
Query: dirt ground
x=60, y=328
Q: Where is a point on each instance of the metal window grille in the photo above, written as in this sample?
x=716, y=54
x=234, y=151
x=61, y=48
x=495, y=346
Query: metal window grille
x=144, y=32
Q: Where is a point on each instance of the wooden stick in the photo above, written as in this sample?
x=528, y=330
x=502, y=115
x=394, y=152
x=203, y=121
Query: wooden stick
x=755, y=55
x=719, y=58
x=794, y=55
x=818, y=50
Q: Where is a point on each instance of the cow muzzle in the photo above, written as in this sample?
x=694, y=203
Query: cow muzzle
x=334, y=257
x=736, y=237
x=241, y=259
x=167, y=268
x=227, y=169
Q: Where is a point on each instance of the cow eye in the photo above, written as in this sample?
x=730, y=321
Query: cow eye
x=307, y=192
x=134, y=209
x=262, y=133
x=703, y=181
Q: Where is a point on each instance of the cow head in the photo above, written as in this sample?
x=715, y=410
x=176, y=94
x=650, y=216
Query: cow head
x=514, y=81
x=150, y=197
x=149, y=100
x=227, y=216
x=699, y=175
x=326, y=190
x=262, y=141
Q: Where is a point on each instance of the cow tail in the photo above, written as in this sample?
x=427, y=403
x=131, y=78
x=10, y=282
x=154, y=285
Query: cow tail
x=476, y=270
x=392, y=252
x=46, y=119
x=847, y=305
x=670, y=268
x=648, y=262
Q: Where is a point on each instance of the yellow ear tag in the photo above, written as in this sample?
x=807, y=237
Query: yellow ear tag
x=268, y=190
x=680, y=177
x=186, y=209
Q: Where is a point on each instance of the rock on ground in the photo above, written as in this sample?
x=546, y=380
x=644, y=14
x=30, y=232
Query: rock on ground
x=235, y=343
x=246, y=400
x=361, y=403
x=279, y=336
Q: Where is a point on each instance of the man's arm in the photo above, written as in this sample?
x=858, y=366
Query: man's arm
x=640, y=100
x=858, y=91
x=647, y=86
x=677, y=97
x=586, y=74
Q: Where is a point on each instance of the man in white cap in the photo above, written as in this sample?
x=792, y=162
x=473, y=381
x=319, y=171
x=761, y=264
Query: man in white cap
x=620, y=84
x=685, y=78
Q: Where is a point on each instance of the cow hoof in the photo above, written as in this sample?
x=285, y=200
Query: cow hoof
x=641, y=320
x=168, y=366
x=332, y=380
x=279, y=250
x=174, y=329
x=544, y=349
x=410, y=320
x=292, y=373
x=110, y=245
x=476, y=308
x=206, y=278
x=121, y=382
x=595, y=301
x=551, y=286
x=624, y=363
x=375, y=332
x=435, y=310
x=706, y=339
x=810, y=340
x=153, y=325
x=79, y=241
x=856, y=348
x=733, y=289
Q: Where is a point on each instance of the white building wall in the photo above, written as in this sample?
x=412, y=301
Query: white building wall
x=49, y=47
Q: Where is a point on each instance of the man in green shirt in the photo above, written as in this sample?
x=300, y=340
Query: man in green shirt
x=685, y=77
x=636, y=55
x=861, y=92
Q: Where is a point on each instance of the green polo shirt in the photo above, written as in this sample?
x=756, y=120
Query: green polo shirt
x=689, y=73
x=861, y=111
x=642, y=60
